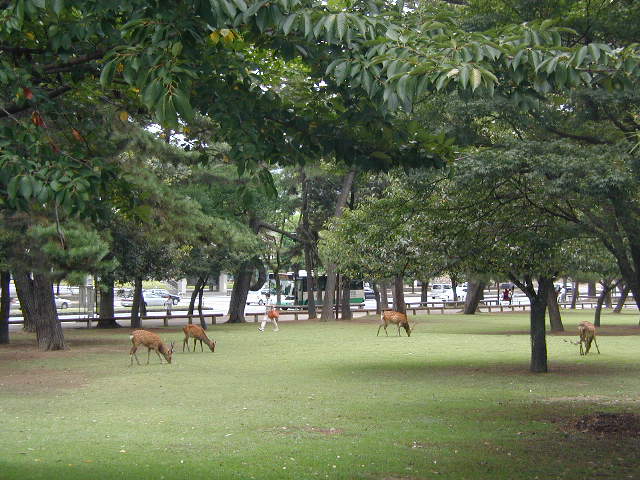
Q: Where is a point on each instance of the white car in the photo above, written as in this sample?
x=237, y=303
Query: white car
x=256, y=298
x=62, y=303
x=149, y=298
x=446, y=294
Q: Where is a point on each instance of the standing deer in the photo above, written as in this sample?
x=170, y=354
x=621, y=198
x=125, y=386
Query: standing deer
x=197, y=333
x=587, y=332
x=152, y=342
x=400, y=319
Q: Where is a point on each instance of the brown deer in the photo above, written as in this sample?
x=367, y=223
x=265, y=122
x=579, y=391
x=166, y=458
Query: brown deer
x=400, y=319
x=152, y=342
x=197, y=333
x=587, y=332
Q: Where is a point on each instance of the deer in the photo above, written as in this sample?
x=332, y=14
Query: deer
x=400, y=319
x=152, y=342
x=197, y=333
x=587, y=332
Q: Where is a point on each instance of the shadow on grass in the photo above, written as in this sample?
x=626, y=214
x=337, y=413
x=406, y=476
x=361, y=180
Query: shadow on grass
x=477, y=369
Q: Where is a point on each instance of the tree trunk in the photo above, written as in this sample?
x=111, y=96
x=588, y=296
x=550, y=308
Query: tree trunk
x=599, y=303
x=311, y=290
x=376, y=293
x=346, y=299
x=424, y=291
x=398, y=294
x=239, y=293
x=538, y=335
x=384, y=297
x=49, y=334
x=623, y=298
x=475, y=293
x=203, y=324
x=25, y=293
x=106, y=311
x=307, y=239
x=330, y=287
x=575, y=295
x=607, y=298
x=5, y=306
x=194, y=295
x=591, y=289
x=554, y=312
x=138, y=304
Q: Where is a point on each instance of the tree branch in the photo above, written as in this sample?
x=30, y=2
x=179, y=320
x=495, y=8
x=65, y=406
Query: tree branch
x=12, y=109
x=273, y=228
x=584, y=138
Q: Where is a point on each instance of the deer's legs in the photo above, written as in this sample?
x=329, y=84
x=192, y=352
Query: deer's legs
x=594, y=341
x=379, y=327
x=185, y=342
x=132, y=354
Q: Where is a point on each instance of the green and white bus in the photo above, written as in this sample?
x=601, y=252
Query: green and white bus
x=294, y=290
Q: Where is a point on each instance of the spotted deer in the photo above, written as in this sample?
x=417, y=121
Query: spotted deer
x=397, y=318
x=152, y=342
x=587, y=332
x=197, y=333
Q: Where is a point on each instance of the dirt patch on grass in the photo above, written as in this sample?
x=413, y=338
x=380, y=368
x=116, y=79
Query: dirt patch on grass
x=40, y=380
x=607, y=330
x=289, y=429
x=593, y=399
x=606, y=424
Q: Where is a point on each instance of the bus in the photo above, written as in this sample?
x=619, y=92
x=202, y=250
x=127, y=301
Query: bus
x=294, y=289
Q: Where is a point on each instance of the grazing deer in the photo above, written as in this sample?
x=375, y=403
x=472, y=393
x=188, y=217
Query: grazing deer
x=587, y=332
x=400, y=319
x=197, y=333
x=152, y=342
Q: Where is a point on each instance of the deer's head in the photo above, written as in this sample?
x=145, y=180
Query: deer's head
x=169, y=353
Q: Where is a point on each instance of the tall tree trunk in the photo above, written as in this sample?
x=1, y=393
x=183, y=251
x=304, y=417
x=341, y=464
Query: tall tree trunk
x=239, y=293
x=398, y=294
x=49, y=334
x=623, y=298
x=346, y=299
x=106, y=311
x=26, y=297
x=307, y=238
x=194, y=294
x=591, y=289
x=376, y=293
x=203, y=324
x=384, y=296
x=599, y=303
x=5, y=306
x=138, y=304
x=424, y=291
x=607, y=298
x=575, y=295
x=327, y=304
x=311, y=290
x=538, y=336
x=475, y=293
x=537, y=316
x=555, y=319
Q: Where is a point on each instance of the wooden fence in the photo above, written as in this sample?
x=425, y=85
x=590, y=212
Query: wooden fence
x=300, y=312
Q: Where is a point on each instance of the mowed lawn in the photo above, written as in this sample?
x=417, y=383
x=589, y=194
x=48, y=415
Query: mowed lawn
x=324, y=400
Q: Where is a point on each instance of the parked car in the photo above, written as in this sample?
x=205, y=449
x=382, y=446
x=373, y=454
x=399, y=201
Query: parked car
x=62, y=303
x=149, y=298
x=166, y=294
x=437, y=288
x=256, y=298
x=446, y=295
x=369, y=293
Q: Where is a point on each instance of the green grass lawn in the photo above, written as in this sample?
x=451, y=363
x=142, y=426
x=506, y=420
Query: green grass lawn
x=323, y=400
